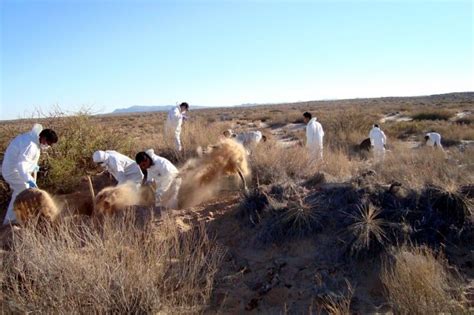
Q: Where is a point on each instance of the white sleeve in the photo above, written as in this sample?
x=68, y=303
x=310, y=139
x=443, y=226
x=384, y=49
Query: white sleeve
x=309, y=136
x=116, y=168
x=384, y=137
x=27, y=161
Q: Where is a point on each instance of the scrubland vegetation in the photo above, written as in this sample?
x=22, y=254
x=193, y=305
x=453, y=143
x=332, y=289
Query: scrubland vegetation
x=335, y=236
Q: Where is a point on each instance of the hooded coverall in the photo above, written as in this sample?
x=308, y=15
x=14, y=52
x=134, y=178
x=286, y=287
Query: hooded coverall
x=314, y=138
x=163, y=173
x=19, y=162
x=122, y=168
x=173, y=126
x=434, y=140
x=378, y=141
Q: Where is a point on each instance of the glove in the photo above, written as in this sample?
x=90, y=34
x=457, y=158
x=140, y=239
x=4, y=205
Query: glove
x=31, y=184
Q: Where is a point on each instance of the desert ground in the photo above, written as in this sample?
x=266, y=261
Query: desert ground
x=344, y=235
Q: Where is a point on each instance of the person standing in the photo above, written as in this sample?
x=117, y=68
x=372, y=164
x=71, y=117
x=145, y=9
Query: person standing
x=314, y=135
x=20, y=162
x=378, y=141
x=174, y=122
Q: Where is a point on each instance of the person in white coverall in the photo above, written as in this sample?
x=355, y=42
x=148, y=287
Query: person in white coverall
x=314, y=135
x=433, y=139
x=120, y=166
x=163, y=173
x=174, y=122
x=20, y=162
x=378, y=141
x=248, y=139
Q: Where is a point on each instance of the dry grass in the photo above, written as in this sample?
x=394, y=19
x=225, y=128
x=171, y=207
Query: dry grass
x=418, y=282
x=367, y=228
x=119, y=268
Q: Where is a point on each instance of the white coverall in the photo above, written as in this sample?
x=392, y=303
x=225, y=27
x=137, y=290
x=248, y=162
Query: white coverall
x=173, y=126
x=434, y=140
x=122, y=168
x=314, y=138
x=163, y=173
x=19, y=162
x=378, y=141
x=249, y=139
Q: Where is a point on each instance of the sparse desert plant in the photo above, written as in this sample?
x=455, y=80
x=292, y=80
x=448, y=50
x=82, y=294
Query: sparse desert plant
x=367, y=228
x=120, y=268
x=296, y=218
x=339, y=304
x=416, y=281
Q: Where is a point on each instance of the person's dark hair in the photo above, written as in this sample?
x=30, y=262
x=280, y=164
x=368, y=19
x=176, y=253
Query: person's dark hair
x=264, y=138
x=427, y=137
x=141, y=156
x=307, y=115
x=185, y=105
x=50, y=136
x=376, y=125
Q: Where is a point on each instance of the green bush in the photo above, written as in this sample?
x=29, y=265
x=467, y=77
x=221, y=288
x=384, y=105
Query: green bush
x=71, y=158
x=433, y=115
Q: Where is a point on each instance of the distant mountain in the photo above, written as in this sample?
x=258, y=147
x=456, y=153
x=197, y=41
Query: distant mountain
x=150, y=108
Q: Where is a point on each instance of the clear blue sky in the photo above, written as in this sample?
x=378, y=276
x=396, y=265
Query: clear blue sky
x=112, y=54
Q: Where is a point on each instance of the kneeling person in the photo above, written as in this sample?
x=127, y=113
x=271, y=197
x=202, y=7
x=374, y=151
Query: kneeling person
x=163, y=173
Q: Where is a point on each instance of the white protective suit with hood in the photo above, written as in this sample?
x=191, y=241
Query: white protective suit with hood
x=434, y=140
x=164, y=174
x=19, y=163
x=173, y=126
x=314, y=138
x=249, y=139
x=122, y=168
x=378, y=141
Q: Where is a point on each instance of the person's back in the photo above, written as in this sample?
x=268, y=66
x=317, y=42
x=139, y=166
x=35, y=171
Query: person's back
x=161, y=166
x=314, y=133
x=249, y=138
x=123, y=168
x=433, y=139
x=377, y=138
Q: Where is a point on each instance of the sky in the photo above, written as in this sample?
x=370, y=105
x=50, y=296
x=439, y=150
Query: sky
x=104, y=55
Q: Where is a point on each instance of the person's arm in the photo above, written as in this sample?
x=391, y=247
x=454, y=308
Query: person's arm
x=371, y=137
x=27, y=162
x=384, y=137
x=309, y=136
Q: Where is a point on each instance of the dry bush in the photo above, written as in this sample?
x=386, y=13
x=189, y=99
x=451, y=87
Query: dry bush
x=418, y=282
x=71, y=158
x=367, y=228
x=433, y=115
x=119, y=268
x=274, y=164
x=339, y=304
x=425, y=166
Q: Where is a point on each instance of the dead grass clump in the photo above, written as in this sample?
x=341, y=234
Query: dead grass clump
x=451, y=206
x=255, y=204
x=296, y=218
x=367, y=229
x=339, y=304
x=418, y=282
x=117, y=269
x=33, y=205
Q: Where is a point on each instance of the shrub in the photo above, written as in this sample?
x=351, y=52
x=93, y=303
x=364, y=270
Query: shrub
x=71, y=158
x=418, y=282
x=119, y=268
x=433, y=115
